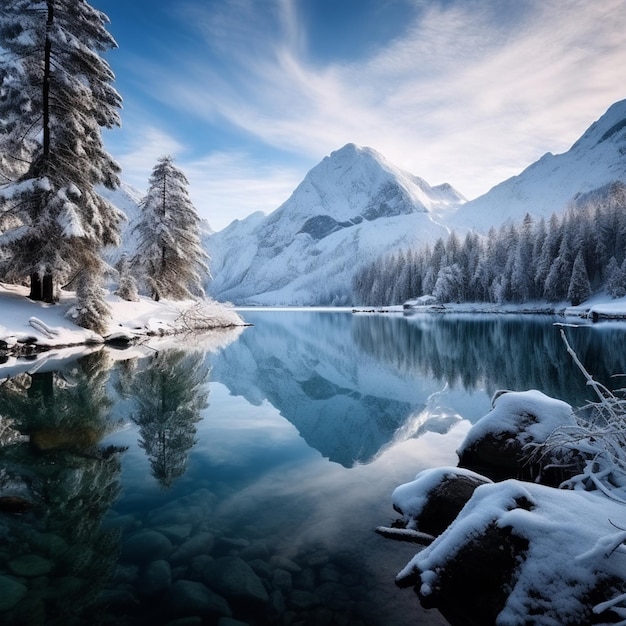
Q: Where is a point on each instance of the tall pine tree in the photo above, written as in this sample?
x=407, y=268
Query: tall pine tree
x=55, y=97
x=169, y=251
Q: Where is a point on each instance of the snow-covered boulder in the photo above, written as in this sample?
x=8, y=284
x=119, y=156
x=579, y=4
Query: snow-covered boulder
x=501, y=444
x=520, y=553
x=431, y=502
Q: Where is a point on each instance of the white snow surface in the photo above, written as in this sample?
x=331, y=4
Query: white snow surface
x=511, y=409
x=571, y=538
x=411, y=498
x=48, y=325
x=576, y=539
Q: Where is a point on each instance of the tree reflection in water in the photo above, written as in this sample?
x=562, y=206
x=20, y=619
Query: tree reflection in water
x=57, y=482
x=169, y=394
x=493, y=352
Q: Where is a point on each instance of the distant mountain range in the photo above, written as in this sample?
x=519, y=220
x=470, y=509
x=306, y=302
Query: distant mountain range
x=355, y=206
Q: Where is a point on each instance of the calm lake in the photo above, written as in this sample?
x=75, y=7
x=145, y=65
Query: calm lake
x=241, y=475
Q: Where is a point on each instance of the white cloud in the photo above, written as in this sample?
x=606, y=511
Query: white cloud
x=471, y=94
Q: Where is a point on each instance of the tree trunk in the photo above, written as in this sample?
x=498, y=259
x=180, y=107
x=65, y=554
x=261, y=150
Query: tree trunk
x=41, y=289
x=46, y=81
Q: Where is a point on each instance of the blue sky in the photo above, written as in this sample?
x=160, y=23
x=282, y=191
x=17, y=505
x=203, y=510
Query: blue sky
x=248, y=95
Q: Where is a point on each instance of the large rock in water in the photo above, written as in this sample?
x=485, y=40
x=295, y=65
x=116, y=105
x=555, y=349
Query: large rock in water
x=501, y=444
x=233, y=578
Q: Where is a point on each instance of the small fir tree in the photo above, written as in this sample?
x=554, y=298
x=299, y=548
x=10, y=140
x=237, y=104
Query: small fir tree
x=127, y=285
x=169, y=250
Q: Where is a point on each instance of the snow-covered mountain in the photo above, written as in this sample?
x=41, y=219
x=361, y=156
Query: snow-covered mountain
x=355, y=206
x=547, y=186
x=348, y=210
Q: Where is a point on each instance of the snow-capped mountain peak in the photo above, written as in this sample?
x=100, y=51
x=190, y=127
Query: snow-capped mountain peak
x=351, y=207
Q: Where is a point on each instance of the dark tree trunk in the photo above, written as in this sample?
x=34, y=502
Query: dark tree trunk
x=46, y=81
x=41, y=289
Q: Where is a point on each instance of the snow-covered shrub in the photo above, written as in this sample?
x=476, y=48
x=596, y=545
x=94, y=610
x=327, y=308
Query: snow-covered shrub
x=127, y=285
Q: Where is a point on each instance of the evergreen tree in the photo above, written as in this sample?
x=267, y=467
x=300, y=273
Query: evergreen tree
x=55, y=96
x=579, y=289
x=616, y=278
x=522, y=271
x=169, y=250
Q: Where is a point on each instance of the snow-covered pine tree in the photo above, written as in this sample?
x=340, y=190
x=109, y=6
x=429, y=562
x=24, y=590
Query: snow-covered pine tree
x=579, y=289
x=55, y=96
x=169, y=250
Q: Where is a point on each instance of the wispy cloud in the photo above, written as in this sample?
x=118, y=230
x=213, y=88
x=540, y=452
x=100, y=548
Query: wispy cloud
x=471, y=93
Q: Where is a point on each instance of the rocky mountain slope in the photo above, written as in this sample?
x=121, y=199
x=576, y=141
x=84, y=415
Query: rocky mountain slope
x=546, y=186
x=349, y=209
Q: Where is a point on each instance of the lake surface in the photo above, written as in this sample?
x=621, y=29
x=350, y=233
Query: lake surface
x=242, y=474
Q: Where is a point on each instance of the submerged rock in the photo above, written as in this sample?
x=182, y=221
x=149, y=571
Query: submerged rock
x=146, y=545
x=155, y=578
x=234, y=578
x=30, y=566
x=11, y=592
x=188, y=598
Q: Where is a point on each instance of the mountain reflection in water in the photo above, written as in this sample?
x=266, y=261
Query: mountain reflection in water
x=134, y=484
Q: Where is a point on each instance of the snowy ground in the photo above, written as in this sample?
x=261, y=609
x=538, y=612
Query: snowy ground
x=603, y=305
x=47, y=326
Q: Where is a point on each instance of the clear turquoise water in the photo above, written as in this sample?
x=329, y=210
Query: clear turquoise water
x=244, y=478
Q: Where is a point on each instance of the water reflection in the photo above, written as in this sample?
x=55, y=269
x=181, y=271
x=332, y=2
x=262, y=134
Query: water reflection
x=169, y=392
x=57, y=483
x=345, y=402
x=90, y=532
x=494, y=352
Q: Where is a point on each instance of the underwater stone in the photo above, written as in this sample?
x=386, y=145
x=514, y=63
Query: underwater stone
x=303, y=600
x=175, y=532
x=154, y=578
x=186, y=598
x=146, y=545
x=201, y=543
x=30, y=566
x=234, y=578
x=11, y=592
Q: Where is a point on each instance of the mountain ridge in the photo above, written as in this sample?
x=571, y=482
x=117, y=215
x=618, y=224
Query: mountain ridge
x=355, y=206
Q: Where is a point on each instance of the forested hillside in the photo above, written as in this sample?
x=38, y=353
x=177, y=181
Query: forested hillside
x=563, y=258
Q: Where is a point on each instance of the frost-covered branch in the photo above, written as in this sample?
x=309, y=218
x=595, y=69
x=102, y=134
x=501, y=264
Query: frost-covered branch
x=599, y=438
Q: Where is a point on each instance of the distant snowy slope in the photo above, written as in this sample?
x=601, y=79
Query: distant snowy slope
x=349, y=209
x=546, y=186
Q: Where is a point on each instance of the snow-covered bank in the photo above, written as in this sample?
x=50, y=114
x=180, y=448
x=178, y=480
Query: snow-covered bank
x=600, y=307
x=42, y=326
